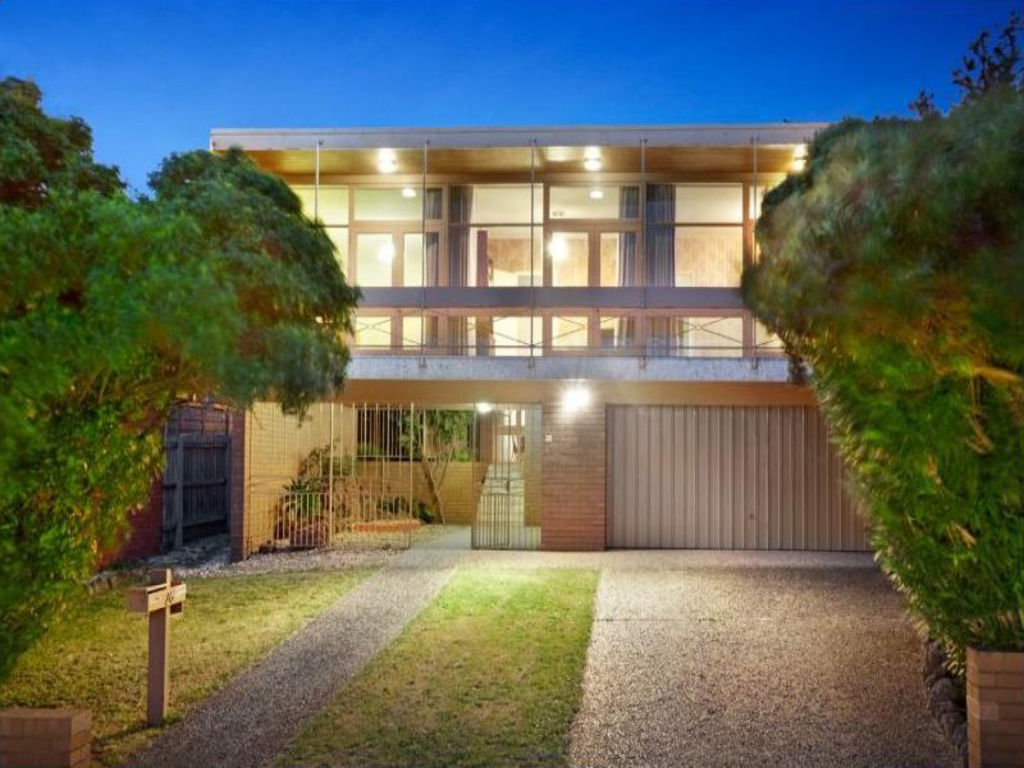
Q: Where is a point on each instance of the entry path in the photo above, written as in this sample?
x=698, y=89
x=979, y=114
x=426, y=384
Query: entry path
x=752, y=664
x=254, y=717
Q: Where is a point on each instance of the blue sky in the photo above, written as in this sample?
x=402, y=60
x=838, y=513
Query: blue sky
x=154, y=76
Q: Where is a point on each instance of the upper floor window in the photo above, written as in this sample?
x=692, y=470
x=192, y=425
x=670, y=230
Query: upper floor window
x=595, y=201
x=396, y=203
x=329, y=203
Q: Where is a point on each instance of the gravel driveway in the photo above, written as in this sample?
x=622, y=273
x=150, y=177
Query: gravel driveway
x=757, y=665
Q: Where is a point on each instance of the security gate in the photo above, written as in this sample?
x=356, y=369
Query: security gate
x=726, y=477
x=508, y=511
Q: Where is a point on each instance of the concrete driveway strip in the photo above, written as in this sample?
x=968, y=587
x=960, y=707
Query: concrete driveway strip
x=753, y=667
x=254, y=717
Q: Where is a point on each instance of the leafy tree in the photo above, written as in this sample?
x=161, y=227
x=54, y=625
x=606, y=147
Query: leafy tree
x=893, y=267
x=110, y=309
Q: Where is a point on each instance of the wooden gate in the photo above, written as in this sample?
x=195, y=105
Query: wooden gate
x=196, y=496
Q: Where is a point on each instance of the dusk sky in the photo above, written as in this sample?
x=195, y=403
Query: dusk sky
x=155, y=77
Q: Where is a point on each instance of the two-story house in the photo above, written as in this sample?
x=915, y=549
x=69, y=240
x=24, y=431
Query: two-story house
x=577, y=290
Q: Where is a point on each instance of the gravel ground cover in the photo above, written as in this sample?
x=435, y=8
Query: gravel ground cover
x=762, y=666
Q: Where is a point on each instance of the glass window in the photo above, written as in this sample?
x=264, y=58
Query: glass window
x=511, y=335
x=569, y=332
x=709, y=203
x=501, y=256
x=413, y=326
x=502, y=203
x=617, y=331
x=708, y=256
x=373, y=332
x=598, y=201
x=417, y=269
x=570, y=257
x=331, y=205
x=375, y=255
x=709, y=336
x=618, y=259
x=339, y=236
x=396, y=203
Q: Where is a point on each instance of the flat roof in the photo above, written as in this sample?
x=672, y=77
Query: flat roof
x=470, y=137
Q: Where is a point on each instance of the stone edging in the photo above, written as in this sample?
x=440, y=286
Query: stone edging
x=946, y=698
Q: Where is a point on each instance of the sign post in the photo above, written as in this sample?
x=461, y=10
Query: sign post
x=159, y=600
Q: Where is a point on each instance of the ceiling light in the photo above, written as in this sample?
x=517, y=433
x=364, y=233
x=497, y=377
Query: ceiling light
x=597, y=194
x=576, y=398
x=592, y=164
x=558, y=249
x=387, y=162
x=408, y=192
x=591, y=153
x=484, y=408
x=386, y=253
x=799, y=158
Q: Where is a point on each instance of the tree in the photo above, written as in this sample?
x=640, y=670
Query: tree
x=893, y=267
x=110, y=309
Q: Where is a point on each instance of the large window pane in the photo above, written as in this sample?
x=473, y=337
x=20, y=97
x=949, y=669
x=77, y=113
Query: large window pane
x=375, y=255
x=569, y=332
x=709, y=336
x=765, y=339
x=500, y=256
x=570, y=257
x=504, y=203
x=598, y=201
x=331, y=207
x=709, y=203
x=373, y=332
x=419, y=268
x=708, y=256
x=617, y=331
x=511, y=335
x=396, y=203
x=618, y=259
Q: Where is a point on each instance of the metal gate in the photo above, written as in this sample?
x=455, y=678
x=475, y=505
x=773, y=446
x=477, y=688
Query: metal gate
x=508, y=511
x=726, y=477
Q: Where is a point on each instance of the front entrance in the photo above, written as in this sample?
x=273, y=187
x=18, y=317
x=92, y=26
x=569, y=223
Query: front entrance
x=508, y=509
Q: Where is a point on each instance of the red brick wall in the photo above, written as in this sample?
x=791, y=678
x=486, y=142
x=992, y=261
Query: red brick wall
x=995, y=718
x=573, y=478
x=144, y=529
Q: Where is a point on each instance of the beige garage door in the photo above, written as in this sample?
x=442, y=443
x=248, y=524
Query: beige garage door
x=726, y=477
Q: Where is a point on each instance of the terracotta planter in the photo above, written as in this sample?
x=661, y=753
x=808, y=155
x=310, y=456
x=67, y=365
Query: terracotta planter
x=995, y=720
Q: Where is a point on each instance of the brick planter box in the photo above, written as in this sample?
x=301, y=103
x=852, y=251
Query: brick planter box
x=46, y=738
x=995, y=720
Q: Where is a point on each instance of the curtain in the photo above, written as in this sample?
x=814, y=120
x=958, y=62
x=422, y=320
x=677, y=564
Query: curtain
x=659, y=243
x=432, y=204
x=460, y=208
x=629, y=208
x=431, y=245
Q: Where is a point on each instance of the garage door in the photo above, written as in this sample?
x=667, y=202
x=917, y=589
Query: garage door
x=726, y=477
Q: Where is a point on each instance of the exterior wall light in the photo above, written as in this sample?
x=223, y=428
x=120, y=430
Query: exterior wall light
x=484, y=408
x=592, y=159
x=387, y=162
x=408, y=192
x=575, y=398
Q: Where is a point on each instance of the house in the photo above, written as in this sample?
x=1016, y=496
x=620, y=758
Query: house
x=573, y=293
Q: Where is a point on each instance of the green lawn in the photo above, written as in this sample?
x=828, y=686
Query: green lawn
x=96, y=656
x=488, y=674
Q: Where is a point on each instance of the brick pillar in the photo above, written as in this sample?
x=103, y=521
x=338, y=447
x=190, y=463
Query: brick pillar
x=573, y=477
x=995, y=721
x=238, y=523
x=45, y=737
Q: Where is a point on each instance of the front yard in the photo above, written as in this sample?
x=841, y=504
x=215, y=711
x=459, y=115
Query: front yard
x=95, y=657
x=488, y=674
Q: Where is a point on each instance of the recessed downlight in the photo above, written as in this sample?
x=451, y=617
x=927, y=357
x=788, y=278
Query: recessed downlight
x=387, y=161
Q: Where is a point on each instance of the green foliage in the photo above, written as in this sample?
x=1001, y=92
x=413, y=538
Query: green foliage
x=110, y=309
x=893, y=266
x=448, y=434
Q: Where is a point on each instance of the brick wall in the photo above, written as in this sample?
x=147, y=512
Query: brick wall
x=995, y=719
x=573, y=478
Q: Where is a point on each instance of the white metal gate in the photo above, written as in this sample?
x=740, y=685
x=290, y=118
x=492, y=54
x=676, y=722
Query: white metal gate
x=733, y=477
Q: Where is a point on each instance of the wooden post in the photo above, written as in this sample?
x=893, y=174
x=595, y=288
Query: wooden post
x=160, y=599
